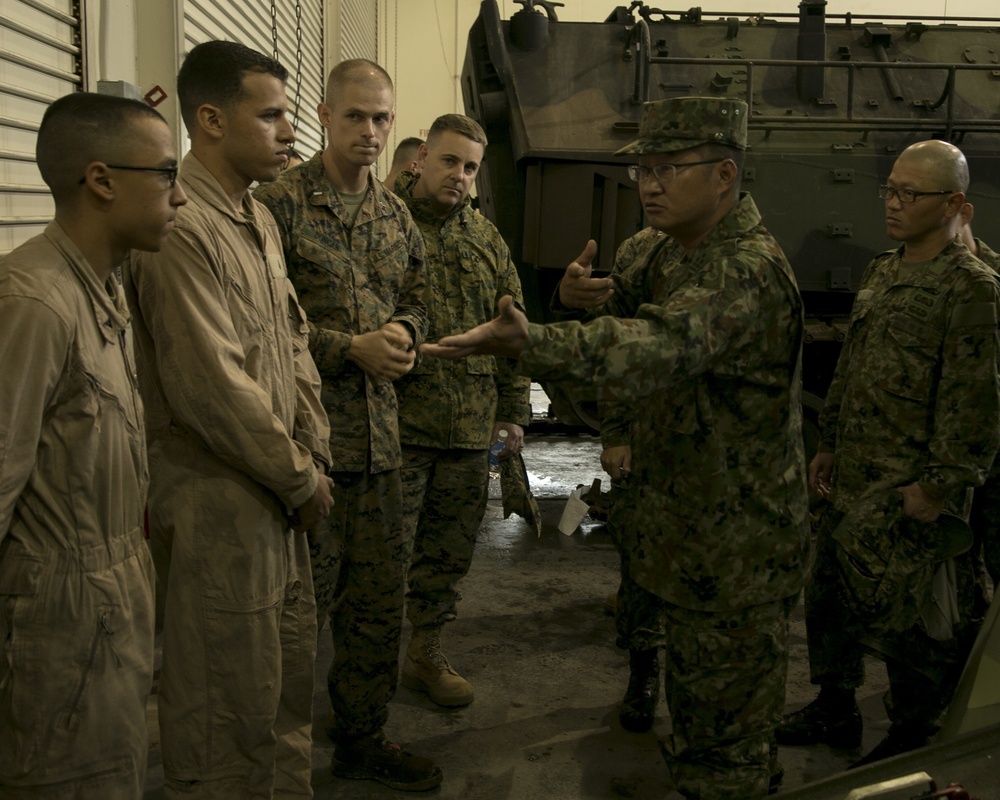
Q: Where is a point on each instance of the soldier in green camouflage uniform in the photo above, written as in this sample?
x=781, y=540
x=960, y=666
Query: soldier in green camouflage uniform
x=912, y=413
x=638, y=613
x=450, y=412
x=984, y=518
x=638, y=620
x=711, y=363
x=356, y=260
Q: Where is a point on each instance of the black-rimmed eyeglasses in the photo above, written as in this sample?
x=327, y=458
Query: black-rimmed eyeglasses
x=663, y=173
x=170, y=172
x=906, y=195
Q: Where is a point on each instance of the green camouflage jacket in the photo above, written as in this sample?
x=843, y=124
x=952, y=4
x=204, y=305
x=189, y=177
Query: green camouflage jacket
x=915, y=394
x=710, y=360
x=453, y=404
x=989, y=257
x=350, y=280
x=992, y=260
x=628, y=273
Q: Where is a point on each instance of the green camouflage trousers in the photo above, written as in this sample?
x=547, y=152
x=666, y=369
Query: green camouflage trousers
x=923, y=672
x=444, y=499
x=638, y=613
x=359, y=561
x=724, y=681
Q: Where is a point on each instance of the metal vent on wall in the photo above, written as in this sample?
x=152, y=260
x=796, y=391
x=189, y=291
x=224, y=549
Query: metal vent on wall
x=358, y=30
x=251, y=24
x=40, y=60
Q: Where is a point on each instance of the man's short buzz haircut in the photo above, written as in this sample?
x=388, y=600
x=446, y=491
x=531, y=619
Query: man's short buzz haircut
x=81, y=128
x=458, y=123
x=406, y=151
x=213, y=73
x=352, y=70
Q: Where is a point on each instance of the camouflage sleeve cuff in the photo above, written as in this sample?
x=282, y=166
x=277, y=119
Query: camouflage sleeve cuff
x=329, y=348
x=514, y=411
x=559, y=311
x=942, y=482
x=410, y=328
x=417, y=332
x=556, y=304
x=615, y=438
x=536, y=334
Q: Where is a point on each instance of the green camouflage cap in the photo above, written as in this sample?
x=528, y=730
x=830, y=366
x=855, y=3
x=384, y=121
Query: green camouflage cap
x=683, y=122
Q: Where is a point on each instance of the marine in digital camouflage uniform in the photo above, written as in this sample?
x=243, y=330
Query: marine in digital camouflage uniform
x=357, y=261
x=912, y=413
x=718, y=475
x=450, y=412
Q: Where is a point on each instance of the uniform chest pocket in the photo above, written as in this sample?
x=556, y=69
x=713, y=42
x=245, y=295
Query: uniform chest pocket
x=245, y=310
x=386, y=268
x=477, y=288
x=909, y=360
x=320, y=261
x=297, y=321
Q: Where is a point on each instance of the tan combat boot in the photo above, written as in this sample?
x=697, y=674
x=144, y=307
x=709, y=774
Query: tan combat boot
x=427, y=670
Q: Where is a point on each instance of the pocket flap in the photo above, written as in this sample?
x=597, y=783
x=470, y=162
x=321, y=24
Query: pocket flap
x=20, y=572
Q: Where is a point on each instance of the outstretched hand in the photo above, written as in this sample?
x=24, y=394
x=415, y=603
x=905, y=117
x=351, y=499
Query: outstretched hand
x=577, y=289
x=505, y=335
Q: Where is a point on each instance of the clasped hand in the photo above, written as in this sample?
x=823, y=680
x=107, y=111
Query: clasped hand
x=385, y=354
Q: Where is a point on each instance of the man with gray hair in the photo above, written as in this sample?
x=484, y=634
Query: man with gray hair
x=910, y=425
x=707, y=347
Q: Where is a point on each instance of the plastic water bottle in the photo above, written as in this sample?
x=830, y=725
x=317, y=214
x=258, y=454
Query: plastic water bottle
x=495, y=450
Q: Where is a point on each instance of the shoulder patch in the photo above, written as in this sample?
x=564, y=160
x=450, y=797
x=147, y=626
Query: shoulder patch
x=968, y=315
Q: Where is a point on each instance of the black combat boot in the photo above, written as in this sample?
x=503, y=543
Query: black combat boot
x=833, y=718
x=375, y=758
x=639, y=704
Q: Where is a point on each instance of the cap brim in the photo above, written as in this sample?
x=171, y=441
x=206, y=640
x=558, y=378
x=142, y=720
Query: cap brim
x=644, y=146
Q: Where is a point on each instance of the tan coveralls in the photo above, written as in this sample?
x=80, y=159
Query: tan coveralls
x=235, y=424
x=76, y=577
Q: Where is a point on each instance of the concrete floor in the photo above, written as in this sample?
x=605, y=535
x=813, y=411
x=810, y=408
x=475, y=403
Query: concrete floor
x=536, y=643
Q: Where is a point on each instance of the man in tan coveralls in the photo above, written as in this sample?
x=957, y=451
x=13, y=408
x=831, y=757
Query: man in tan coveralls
x=76, y=578
x=238, y=449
